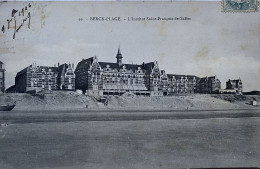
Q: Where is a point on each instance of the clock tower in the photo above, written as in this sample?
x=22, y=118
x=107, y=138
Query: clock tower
x=119, y=57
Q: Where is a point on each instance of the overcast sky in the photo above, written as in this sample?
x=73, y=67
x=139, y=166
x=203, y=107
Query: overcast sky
x=211, y=43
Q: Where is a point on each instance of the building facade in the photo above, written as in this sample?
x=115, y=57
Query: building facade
x=208, y=85
x=182, y=84
x=40, y=78
x=97, y=78
x=2, y=77
x=233, y=87
x=105, y=78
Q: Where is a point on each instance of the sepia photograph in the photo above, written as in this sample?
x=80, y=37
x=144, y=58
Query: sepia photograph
x=129, y=84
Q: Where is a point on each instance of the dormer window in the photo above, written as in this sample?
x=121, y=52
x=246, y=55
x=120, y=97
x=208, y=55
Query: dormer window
x=139, y=70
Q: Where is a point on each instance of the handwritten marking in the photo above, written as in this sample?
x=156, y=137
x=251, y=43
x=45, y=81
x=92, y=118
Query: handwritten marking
x=20, y=13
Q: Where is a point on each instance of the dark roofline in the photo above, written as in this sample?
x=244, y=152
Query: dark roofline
x=24, y=70
x=81, y=66
x=207, y=77
x=234, y=79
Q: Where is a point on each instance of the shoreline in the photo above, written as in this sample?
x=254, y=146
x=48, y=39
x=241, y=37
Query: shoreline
x=107, y=109
x=74, y=116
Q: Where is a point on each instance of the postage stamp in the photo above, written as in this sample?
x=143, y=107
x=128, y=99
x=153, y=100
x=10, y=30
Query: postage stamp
x=240, y=5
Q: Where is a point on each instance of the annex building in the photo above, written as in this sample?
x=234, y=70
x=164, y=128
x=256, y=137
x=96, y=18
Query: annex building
x=37, y=78
x=233, y=87
x=97, y=78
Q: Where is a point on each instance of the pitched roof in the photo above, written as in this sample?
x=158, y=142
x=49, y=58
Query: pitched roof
x=203, y=79
x=11, y=88
x=61, y=67
x=53, y=69
x=83, y=66
x=148, y=67
x=235, y=80
x=22, y=71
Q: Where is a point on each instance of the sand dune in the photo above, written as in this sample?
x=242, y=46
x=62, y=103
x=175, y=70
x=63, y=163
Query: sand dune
x=72, y=100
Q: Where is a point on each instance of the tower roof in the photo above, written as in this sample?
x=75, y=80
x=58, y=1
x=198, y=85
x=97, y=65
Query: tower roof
x=119, y=55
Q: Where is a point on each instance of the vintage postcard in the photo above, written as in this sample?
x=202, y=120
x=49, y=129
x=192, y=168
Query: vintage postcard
x=129, y=85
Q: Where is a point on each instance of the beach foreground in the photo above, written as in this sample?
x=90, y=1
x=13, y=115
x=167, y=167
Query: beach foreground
x=181, y=142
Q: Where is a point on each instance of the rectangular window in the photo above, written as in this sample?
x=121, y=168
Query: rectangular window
x=1, y=75
x=69, y=87
x=95, y=87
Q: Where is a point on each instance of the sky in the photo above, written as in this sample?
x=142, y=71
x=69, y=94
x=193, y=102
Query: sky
x=210, y=43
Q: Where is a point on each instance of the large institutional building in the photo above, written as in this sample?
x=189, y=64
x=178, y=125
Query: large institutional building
x=105, y=78
x=95, y=78
x=38, y=78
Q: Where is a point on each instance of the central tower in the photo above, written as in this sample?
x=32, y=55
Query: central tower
x=119, y=57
